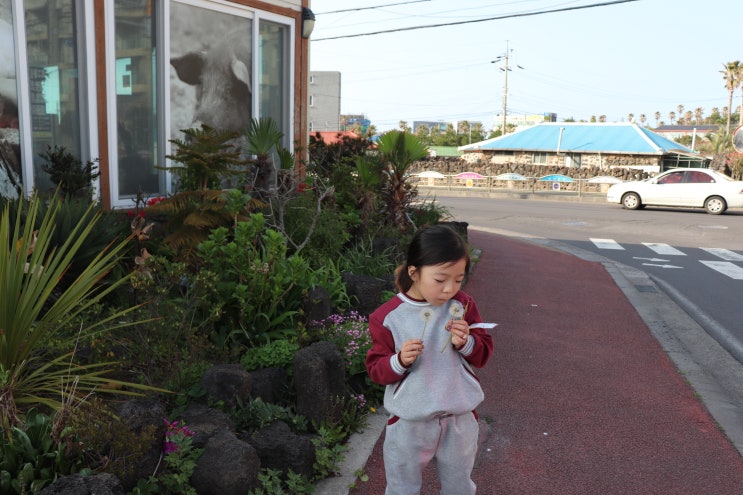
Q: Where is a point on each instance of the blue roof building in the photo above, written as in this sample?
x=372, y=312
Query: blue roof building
x=575, y=144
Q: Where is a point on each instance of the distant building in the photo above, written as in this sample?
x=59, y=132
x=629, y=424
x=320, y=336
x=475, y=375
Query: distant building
x=677, y=131
x=333, y=137
x=324, y=110
x=430, y=125
x=351, y=122
x=578, y=144
x=524, y=120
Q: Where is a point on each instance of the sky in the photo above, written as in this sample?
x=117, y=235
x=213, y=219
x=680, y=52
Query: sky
x=638, y=57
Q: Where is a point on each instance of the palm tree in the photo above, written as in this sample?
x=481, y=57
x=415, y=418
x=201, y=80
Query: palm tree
x=398, y=151
x=671, y=116
x=631, y=117
x=657, y=118
x=642, y=119
x=262, y=136
x=698, y=113
x=731, y=74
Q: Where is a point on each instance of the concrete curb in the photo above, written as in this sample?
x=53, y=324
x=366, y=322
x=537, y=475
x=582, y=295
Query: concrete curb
x=359, y=448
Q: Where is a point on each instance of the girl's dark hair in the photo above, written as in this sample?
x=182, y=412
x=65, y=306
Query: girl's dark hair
x=432, y=245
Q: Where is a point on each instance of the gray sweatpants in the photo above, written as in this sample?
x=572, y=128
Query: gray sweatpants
x=410, y=445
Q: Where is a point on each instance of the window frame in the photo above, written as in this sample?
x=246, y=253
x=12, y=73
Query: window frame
x=539, y=158
x=162, y=89
x=86, y=67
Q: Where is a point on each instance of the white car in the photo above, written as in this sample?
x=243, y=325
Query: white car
x=686, y=187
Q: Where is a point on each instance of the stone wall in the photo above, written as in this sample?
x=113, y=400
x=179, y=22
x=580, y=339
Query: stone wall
x=454, y=166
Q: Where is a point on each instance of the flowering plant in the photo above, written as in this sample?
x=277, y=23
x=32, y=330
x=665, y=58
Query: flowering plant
x=176, y=437
x=180, y=462
x=351, y=334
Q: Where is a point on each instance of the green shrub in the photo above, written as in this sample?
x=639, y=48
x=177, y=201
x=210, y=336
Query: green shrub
x=261, y=288
x=428, y=212
x=32, y=459
x=276, y=354
x=330, y=232
x=360, y=259
x=103, y=442
x=274, y=482
x=70, y=174
x=256, y=414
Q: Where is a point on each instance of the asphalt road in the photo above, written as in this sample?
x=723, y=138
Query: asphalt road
x=695, y=257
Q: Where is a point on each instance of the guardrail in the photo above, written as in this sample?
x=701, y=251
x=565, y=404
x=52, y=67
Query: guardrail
x=527, y=185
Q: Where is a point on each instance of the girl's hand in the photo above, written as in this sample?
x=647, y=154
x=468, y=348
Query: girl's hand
x=460, y=331
x=410, y=351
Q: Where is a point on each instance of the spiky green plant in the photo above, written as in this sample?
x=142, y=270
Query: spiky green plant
x=34, y=309
x=399, y=150
x=262, y=136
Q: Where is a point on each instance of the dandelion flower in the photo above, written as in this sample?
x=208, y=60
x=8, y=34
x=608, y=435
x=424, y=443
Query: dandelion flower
x=426, y=314
x=456, y=311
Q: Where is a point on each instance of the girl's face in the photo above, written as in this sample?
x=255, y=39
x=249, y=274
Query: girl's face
x=436, y=284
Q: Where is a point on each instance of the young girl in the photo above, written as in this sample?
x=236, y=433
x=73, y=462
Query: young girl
x=424, y=342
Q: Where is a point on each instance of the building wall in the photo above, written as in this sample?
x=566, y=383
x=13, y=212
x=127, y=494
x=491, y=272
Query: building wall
x=324, y=112
x=116, y=81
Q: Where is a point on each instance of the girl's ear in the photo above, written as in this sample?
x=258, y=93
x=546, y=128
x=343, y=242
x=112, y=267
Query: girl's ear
x=411, y=271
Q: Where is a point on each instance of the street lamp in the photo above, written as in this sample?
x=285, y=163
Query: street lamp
x=506, y=68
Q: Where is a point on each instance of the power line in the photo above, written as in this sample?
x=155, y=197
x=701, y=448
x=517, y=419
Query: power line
x=508, y=16
x=369, y=8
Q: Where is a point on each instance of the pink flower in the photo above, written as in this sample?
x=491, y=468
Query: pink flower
x=174, y=436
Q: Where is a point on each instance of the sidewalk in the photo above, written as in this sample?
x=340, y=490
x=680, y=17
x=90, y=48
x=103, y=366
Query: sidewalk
x=581, y=396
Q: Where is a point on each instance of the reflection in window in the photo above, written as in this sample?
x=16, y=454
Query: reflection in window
x=51, y=44
x=211, y=76
x=673, y=178
x=136, y=100
x=10, y=150
x=274, y=91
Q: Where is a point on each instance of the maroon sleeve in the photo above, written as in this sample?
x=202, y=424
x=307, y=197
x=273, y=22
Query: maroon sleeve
x=483, y=340
x=383, y=348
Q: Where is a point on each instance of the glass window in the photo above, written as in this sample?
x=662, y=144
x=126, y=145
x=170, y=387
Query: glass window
x=672, y=178
x=136, y=99
x=274, y=83
x=11, y=174
x=573, y=160
x=54, y=93
x=698, y=177
x=539, y=158
x=211, y=76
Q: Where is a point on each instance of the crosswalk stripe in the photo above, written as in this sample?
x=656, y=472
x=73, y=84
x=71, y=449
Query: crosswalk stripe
x=726, y=268
x=725, y=254
x=665, y=249
x=606, y=244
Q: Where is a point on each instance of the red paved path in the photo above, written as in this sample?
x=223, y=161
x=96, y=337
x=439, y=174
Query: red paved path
x=579, y=396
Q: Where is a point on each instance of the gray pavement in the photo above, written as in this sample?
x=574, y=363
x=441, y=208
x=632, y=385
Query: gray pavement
x=682, y=430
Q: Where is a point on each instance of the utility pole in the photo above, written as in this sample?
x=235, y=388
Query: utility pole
x=506, y=67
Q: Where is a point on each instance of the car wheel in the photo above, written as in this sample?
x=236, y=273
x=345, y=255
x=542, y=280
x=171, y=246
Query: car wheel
x=715, y=205
x=631, y=201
